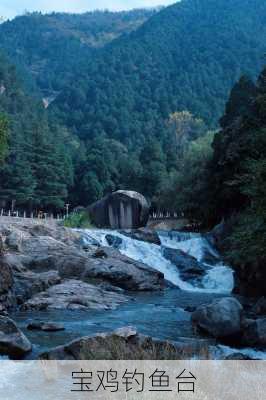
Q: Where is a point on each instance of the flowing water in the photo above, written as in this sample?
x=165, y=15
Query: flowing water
x=217, y=279
x=160, y=314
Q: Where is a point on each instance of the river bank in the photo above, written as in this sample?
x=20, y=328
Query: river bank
x=92, y=281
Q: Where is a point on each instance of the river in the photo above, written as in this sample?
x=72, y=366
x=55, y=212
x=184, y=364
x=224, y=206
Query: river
x=164, y=314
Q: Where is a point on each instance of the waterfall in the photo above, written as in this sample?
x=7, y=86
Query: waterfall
x=218, y=277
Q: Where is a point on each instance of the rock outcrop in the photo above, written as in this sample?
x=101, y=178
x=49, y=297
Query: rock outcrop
x=187, y=265
x=222, y=318
x=122, y=271
x=6, y=285
x=39, y=258
x=6, y=276
x=125, y=344
x=103, y=264
x=13, y=342
x=123, y=209
x=75, y=295
x=28, y=283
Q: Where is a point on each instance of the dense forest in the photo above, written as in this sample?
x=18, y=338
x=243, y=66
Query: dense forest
x=37, y=166
x=139, y=95
x=50, y=50
x=186, y=57
x=223, y=175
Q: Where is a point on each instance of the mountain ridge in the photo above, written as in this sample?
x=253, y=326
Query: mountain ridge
x=165, y=66
x=49, y=49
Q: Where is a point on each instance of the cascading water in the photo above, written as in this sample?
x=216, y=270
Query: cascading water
x=217, y=279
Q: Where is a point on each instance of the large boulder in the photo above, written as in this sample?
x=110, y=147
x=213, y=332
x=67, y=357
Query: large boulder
x=109, y=265
x=13, y=240
x=13, y=342
x=123, y=209
x=125, y=344
x=255, y=333
x=28, y=283
x=187, y=265
x=75, y=295
x=41, y=254
x=222, y=318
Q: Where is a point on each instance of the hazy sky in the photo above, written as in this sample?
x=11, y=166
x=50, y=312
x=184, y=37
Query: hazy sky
x=11, y=8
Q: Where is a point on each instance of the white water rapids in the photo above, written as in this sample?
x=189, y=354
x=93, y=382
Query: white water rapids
x=218, y=277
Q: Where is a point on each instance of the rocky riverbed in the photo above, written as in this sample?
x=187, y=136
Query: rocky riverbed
x=60, y=287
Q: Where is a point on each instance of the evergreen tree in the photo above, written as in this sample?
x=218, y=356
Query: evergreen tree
x=3, y=137
x=38, y=168
x=240, y=101
x=154, y=171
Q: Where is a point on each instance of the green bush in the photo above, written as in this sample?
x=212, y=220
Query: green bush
x=78, y=220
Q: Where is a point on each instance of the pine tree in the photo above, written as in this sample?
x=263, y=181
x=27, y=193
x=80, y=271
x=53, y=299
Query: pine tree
x=48, y=166
x=3, y=136
x=240, y=101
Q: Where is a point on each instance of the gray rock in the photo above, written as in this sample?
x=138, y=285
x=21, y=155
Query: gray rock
x=13, y=342
x=187, y=265
x=7, y=299
x=110, y=288
x=125, y=344
x=45, y=326
x=57, y=232
x=85, y=242
x=114, y=241
x=28, y=283
x=6, y=275
x=143, y=234
x=75, y=295
x=13, y=240
x=221, y=318
x=41, y=254
x=255, y=333
x=122, y=271
x=120, y=210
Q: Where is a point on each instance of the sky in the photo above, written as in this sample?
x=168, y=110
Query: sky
x=11, y=8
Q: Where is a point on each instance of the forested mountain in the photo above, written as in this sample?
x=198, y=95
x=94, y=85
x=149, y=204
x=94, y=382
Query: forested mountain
x=137, y=94
x=223, y=178
x=51, y=49
x=37, y=169
x=186, y=57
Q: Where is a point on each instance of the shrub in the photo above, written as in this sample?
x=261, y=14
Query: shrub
x=78, y=220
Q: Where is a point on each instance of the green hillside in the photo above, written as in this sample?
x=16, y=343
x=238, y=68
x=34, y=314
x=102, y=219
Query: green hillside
x=186, y=57
x=51, y=49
